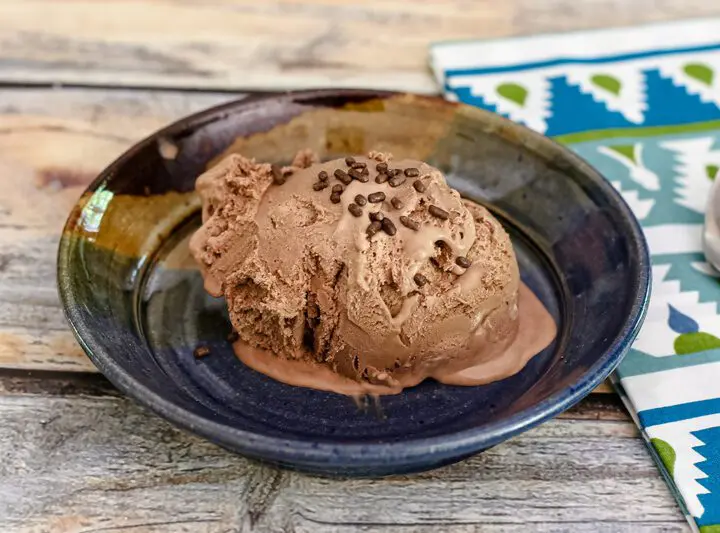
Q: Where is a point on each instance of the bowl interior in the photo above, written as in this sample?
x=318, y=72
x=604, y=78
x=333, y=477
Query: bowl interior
x=137, y=304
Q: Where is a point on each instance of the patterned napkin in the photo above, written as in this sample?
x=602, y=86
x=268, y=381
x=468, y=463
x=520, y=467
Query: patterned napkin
x=643, y=106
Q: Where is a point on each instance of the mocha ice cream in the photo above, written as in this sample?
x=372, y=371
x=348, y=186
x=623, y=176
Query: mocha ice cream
x=363, y=274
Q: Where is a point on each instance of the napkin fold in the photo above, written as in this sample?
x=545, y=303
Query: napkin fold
x=642, y=105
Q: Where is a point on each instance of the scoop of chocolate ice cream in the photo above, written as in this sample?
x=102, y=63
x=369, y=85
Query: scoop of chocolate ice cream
x=370, y=267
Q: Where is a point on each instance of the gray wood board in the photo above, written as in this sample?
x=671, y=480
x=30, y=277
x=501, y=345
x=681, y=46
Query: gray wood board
x=275, y=44
x=79, y=458
x=53, y=142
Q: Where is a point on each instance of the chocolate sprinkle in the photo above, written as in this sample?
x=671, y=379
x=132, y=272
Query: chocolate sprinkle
x=396, y=181
x=419, y=186
x=376, y=215
x=412, y=172
x=388, y=226
x=409, y=223
x=396, y=202
x=233, y=336
x=359, y=165
x=373, y=228
x=420, y=280
x=201, y=351
x=381, y=178
x=320, y=185
x=322, y=175
x=349, y=161
x=376, y=197
x=335, y=197
x=394, y=172
x=357, y=175
x=360, y=200
x=337, y=188
x=342, y=176
x=278, y=177
x=439, y=213
x=381, y=167
x=355, y=210
x=462, y=261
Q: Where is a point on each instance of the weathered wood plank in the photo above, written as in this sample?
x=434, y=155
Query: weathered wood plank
x=100, y=463
x=52, y=144
x=276, y=44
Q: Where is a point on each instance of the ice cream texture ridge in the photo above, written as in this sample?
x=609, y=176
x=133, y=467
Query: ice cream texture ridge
x=363, y=275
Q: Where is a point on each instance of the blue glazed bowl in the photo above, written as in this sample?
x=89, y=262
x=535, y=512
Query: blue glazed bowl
x=135, y=299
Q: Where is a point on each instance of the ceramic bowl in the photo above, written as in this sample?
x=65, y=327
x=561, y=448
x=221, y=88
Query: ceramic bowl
x=137, y=306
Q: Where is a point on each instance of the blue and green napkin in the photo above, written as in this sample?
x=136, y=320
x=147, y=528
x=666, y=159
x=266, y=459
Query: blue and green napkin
x=643, y=106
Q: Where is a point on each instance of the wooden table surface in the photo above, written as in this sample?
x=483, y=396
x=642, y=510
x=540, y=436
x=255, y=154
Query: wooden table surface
x=82, y=81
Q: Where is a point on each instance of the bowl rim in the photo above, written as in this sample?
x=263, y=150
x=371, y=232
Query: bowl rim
x=300, y=452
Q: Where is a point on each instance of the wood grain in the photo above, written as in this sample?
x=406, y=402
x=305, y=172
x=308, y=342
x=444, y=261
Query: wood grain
x=245, y=44
x=77, y=458
x=52, y=144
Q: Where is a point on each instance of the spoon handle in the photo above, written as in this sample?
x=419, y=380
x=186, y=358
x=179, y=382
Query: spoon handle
x=711, y=233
